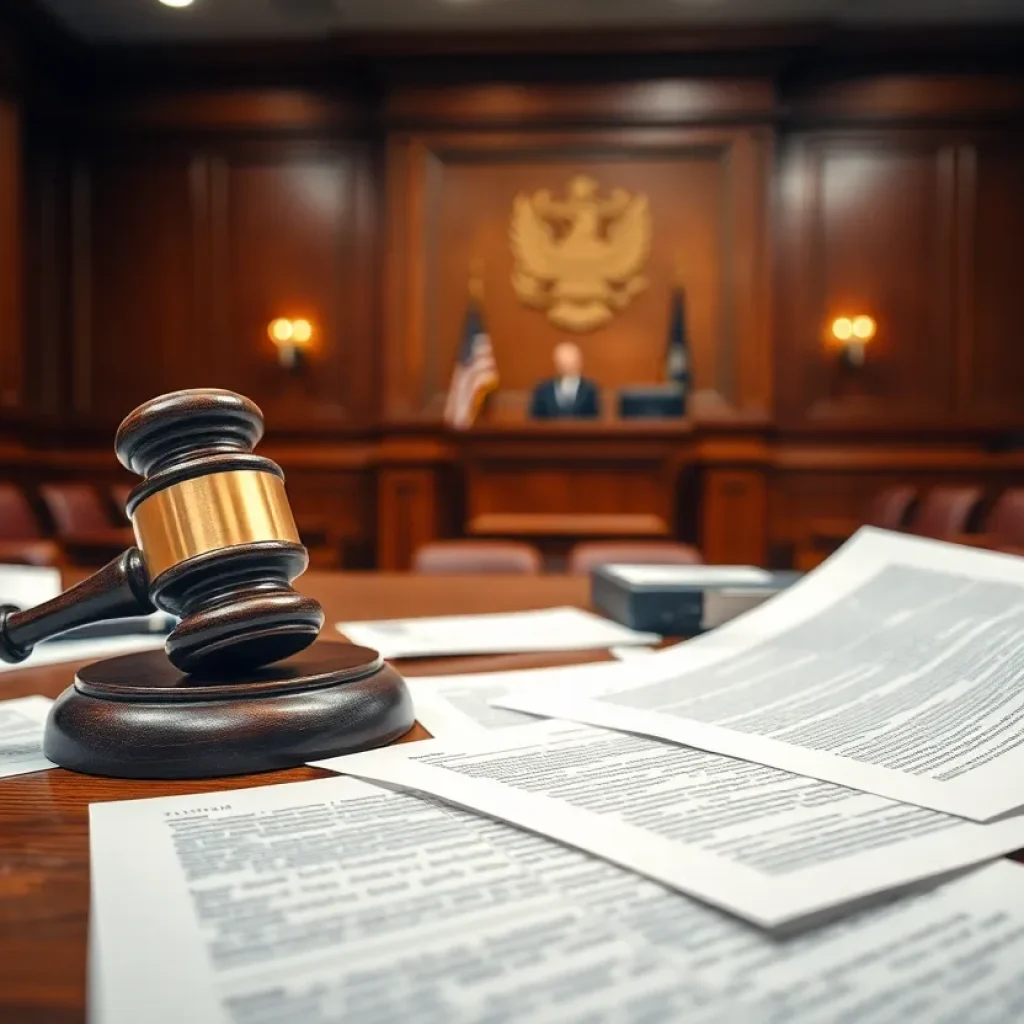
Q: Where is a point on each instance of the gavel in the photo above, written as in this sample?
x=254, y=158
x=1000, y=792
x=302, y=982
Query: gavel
x=243, y=683
x=217, y=546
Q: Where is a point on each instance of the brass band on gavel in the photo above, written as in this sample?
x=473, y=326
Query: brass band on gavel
x=208, y=513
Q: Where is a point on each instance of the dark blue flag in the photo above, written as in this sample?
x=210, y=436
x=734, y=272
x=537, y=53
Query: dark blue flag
x=677, y=359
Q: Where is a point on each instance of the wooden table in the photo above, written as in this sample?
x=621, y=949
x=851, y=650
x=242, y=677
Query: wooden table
x=44, y=860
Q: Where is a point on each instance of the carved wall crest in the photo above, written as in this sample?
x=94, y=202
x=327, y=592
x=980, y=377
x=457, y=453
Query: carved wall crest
x=580, y=257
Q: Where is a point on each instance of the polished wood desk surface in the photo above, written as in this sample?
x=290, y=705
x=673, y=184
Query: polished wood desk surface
x=44, y=860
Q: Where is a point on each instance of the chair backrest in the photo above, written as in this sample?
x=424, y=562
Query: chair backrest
x=891, y=507
x=455, y=557
x=945, y=512
x=119, y=497
x=588, y=555
x=75, y=509
x=1006, y=520
x=17, y=520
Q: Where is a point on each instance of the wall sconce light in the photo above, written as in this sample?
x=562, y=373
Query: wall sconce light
x=853, y=334
x=292, y=339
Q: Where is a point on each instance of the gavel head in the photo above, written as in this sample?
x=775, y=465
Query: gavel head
x=215, y=530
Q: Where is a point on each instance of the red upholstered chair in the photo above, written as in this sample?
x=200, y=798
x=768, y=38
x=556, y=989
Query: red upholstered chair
x=890, y=509
x=946, y=512
x=1004, y=527
x=588, y=555
x=82, y=523
x=1005, y=523
x=21, y=538
x=457, y=557
x=119, y=496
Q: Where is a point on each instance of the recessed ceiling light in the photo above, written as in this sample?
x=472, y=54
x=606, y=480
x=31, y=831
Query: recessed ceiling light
x=176, y=3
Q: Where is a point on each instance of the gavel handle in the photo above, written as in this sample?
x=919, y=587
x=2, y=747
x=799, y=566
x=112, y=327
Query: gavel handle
x=118, y=590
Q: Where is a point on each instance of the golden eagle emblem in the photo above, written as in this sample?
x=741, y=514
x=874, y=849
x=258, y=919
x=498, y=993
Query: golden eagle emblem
x=580, y=257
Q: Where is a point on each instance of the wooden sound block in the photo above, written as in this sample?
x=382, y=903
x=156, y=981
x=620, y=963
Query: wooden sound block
x=138, y=717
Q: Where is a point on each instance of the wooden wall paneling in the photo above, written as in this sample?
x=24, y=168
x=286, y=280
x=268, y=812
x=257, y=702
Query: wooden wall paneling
x=656, y=101
x=549, y=483
x=838, y=481
x=334, y=509
x=48, y=345
x=141, y=276
x=752, y=168
x=11, y=228
x=410, y=169
x=450, y=200
x=873, y=214
x=408, y=514
x=990, y=349
x=288, y=240
x=734, y=516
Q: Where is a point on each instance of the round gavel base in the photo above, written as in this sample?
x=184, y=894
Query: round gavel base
x=138, y=717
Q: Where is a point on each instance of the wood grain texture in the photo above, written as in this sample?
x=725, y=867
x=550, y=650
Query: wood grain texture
x=408, y=513
x=873, y=219
x=187, y=244
x=450, y=199
x=139, y=271
x=990, y=377
x=173, y=210
x=44, y=853
x=284, y=245
x=652, y=102
x=11, y=234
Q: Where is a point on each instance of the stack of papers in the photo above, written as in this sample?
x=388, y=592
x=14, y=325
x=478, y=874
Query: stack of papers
x=798, y=818
x=548, y=629
x=21, y=736
x=25, y=586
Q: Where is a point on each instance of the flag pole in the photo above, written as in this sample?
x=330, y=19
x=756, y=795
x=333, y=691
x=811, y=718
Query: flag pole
x=476, y=280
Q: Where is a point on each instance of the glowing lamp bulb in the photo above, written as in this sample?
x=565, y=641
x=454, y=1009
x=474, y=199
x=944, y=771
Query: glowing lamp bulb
x=842, y=328
x=863, y=327
x=281, y=330
x=302, y=331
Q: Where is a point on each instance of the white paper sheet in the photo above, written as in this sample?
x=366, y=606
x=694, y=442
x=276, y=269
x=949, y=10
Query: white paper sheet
x=449, y=706
x=56, y=652
x=896, y=668
x=548, y=629
x=766, y=845
x=332, y=901
x=690, y=575
x=21, y=736
x=27, y=585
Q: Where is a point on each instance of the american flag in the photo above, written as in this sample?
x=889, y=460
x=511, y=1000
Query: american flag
x=475, y=374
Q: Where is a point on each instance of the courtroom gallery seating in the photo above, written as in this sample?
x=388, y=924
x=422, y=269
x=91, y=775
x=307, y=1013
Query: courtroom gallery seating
x=21, y=537
x=890, y=509
x=83, y=523
x=456, y=557
x=588, y=555
x=1004, y=526
x=119, y=496
x=947, y=512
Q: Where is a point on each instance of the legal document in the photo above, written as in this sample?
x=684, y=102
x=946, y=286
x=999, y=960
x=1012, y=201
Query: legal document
x=548, y=629
x=896, y=668
x=25, y=586
x=21, y=736
x=452, y=705
x=329, y=901
x=764, y=844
